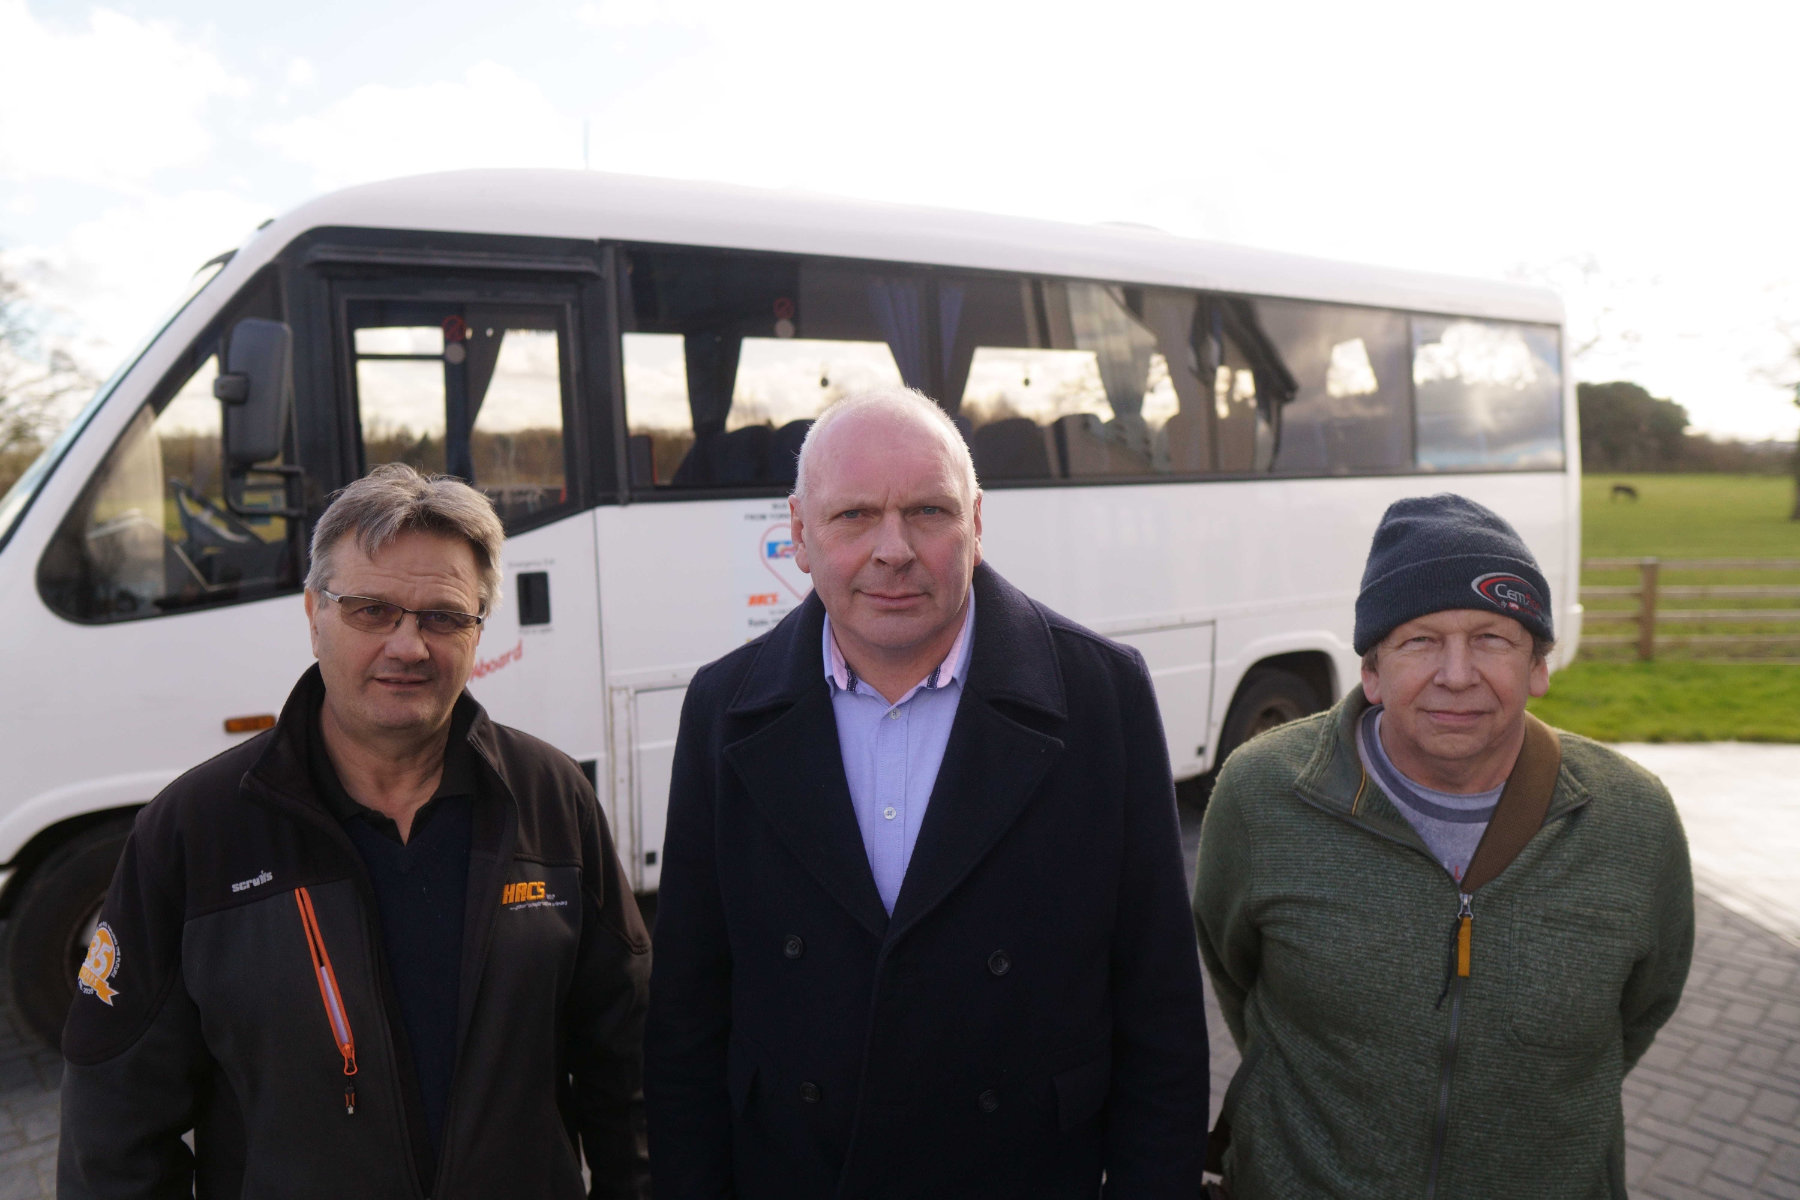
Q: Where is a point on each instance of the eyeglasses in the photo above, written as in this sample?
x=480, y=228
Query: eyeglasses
x=381, y=616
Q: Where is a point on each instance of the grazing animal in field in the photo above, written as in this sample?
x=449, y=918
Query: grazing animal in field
x=1624, y=491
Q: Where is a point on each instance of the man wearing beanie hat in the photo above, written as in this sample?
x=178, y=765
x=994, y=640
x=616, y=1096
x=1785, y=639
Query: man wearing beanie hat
x=1440, y=931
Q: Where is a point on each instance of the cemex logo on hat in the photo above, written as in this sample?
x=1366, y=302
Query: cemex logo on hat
x=1507, y=591
x=1433, y=553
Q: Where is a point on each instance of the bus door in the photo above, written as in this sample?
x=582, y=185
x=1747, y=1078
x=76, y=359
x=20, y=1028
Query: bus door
x=477, y=377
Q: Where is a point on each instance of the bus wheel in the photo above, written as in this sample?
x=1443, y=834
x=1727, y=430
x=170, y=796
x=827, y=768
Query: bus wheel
x=1269, y=697
x=51, y=925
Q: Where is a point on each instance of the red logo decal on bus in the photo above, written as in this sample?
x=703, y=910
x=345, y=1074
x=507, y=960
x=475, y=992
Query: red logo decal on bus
x=488, y=666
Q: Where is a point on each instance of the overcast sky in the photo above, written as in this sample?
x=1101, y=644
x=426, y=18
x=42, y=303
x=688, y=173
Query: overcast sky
x=1641, y=162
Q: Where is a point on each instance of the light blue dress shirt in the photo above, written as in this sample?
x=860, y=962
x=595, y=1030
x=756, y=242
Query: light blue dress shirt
x=892, y=752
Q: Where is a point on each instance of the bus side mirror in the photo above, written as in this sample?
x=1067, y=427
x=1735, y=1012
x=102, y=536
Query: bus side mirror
x=256, y=391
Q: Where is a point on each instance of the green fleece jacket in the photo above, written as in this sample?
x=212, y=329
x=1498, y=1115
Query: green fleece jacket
x=1375, y=1068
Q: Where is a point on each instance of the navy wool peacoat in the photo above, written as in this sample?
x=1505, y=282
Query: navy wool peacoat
x=1027, y=1021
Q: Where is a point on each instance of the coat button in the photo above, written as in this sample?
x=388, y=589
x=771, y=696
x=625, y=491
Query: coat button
x=999, y=963
x=989, y=1100
x=810, y=1092
x=793, y=946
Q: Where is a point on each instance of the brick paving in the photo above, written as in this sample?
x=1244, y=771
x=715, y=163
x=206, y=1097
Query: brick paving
x=1714, y=1107
x=1712, y=1112
x=29, y=1075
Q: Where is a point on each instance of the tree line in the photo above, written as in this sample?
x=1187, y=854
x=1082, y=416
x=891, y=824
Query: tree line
x=1625, y=428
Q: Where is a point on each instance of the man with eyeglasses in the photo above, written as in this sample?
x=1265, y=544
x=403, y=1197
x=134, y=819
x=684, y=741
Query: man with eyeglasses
x=383, y=949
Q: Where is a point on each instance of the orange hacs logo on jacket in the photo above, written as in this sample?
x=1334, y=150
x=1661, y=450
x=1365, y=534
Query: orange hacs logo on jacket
x=519, y=893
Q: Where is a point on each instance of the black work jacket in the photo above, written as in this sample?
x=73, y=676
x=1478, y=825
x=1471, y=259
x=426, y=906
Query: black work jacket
x=214, y=1017
x=1030, y=1016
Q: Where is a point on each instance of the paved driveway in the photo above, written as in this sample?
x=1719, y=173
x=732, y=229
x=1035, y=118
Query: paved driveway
x=1740, y=803
x=1713, y=1110
x=28, y=1079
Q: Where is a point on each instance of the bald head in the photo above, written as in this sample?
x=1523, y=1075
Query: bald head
x=864, y=414
x=886, y=519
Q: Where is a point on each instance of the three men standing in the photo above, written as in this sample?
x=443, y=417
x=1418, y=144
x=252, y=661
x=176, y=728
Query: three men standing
x=923, y=927
x=384, y=949
x=1440, y=931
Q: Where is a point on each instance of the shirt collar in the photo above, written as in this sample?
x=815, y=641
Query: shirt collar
x=458, y=778
x=954, y=667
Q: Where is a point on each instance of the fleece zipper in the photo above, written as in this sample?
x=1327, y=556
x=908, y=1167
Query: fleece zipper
x=412, y=1120
x=1455, y=972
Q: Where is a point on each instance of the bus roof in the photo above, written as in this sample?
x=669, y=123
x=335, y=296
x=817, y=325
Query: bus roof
x=600, y=206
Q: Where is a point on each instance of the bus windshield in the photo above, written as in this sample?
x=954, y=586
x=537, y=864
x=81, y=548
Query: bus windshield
x=18, y=497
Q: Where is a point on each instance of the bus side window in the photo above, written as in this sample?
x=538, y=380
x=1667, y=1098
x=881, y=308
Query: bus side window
x=152, y=531
x=1489, y=395
x=1080, y=380
x=728, y=358
x=1350, y=411
x=1070, y=364
x=472, y=390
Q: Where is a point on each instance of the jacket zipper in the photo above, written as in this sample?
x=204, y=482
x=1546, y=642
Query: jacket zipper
x=286, y=801
x=1455, y=973
x=1456, y=970
x=328, y=992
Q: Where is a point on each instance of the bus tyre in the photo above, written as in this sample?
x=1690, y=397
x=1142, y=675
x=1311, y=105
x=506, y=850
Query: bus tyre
x=1268, y=697
x=51, y=925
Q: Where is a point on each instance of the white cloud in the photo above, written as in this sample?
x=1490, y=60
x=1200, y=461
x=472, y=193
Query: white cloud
x=492, y=117
x=114, y=275
x=714, y=17
x=112, y=103
x=622, y=14
x=301, y=73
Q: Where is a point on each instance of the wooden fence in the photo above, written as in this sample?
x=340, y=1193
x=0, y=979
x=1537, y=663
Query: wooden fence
x=1650, y=591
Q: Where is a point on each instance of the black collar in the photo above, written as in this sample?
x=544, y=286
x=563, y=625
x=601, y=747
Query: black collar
x=458, y=778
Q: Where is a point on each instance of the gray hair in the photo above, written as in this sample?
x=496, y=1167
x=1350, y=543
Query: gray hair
x=394, y=499
x=899, y=402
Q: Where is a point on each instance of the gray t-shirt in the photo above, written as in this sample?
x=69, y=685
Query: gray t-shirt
x=1450, y=824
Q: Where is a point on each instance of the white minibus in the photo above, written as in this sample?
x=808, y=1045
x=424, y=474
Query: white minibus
x=1185, y=446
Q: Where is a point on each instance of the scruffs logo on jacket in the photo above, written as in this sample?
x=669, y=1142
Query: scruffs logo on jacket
x=1507, y=591
x=244, y=885
x=102, y=964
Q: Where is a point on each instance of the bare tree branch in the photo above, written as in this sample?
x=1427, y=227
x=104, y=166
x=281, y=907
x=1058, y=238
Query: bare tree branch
x=1594, y=324
x=37, y=377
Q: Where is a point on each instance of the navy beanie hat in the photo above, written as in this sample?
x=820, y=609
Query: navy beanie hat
x=1433, y=553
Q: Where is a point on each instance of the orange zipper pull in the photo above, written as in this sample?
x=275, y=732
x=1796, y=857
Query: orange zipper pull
x=1465, y=927
x=329, y=994
x=1461, y=935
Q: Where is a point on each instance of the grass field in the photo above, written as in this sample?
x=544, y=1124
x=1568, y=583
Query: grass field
x=1675, y=701
x=1690, y=516
x=1693, y=516
x=1680, y=696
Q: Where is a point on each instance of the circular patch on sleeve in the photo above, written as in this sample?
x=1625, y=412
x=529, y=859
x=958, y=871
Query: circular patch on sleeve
x=101, y=964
